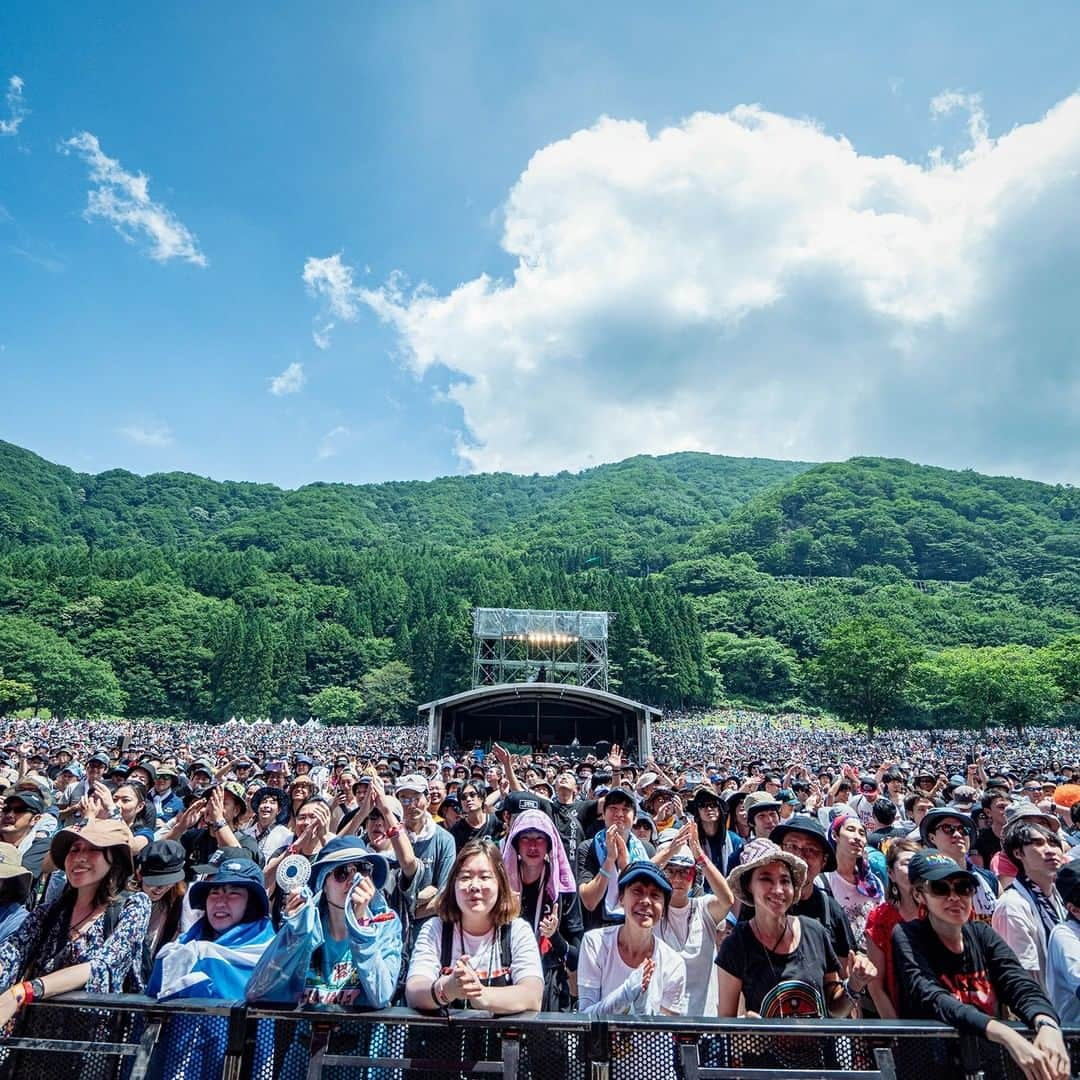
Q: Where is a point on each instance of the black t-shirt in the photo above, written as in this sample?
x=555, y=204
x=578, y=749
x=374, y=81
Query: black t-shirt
x=987, y=845
x=777, y=984
x=201, y=847
x=824, y=908
x=964, y=989
x=463, y=832
x=893, y=832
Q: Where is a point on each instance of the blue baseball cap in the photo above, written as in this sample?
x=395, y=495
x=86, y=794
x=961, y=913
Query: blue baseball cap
x=643, y=870
x=233, y=871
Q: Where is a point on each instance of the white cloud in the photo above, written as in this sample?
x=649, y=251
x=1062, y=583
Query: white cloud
x=333, y=442
x=16, y=107
x=748, y=283
x=331, y=281
x=290, y=381
x=123, y=200
x=155, y=435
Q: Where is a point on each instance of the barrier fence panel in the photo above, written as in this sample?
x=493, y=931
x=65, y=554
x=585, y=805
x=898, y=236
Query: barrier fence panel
x=125, y=1037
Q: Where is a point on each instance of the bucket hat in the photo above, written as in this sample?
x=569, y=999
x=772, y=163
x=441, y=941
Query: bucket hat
x=760, y=852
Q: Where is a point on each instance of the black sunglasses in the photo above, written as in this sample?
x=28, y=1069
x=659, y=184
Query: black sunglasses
x=959, y=886
x=345, y=873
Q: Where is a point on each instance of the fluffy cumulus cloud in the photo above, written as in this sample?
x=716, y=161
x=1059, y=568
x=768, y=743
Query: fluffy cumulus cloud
x=17, y=111
x=123, y=200
x=749, y=283
x=152, y=435
x=290, y=381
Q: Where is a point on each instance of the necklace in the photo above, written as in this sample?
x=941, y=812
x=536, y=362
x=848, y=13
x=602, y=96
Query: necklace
x=759, y=938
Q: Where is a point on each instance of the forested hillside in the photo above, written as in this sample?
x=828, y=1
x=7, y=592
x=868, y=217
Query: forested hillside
x=173, y=595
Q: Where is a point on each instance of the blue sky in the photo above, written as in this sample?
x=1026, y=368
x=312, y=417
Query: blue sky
x=465, y=237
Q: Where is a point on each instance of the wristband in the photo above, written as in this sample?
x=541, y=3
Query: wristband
x=700, y=860
x=605, y=873
x=28, y=993
x=391, y=833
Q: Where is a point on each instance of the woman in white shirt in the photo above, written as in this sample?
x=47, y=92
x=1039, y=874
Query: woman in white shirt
x=626, y=969
x=477, y=953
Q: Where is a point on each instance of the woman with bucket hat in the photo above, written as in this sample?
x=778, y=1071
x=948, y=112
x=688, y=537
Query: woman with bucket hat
x=91, y=936
x=340, y=947
x=215, y=959
x=783, y=965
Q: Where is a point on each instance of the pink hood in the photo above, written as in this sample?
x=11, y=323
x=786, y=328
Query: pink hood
x=561, y=878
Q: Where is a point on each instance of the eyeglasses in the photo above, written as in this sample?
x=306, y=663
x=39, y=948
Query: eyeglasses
x=951, y=829
x=679, y=872
x=341, y=874
x=958, y=886
x=804, y=851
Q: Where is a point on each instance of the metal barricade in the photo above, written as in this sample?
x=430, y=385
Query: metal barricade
x=124, y=1037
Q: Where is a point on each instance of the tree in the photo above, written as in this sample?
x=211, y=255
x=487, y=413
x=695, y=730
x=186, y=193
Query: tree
x=862, y=670
x=338, y=705
x=14, y=695
x=387, y=692
x=758, y=668
x=1007, y=685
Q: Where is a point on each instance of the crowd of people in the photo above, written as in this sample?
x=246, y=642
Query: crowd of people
x=761, y=868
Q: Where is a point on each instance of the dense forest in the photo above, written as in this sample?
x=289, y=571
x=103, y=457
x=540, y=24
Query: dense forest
x=730, y=579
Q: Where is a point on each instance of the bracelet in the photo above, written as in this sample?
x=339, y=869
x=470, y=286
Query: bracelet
x=437, y=995
x=391, y=833
x=606, y=873
x=28, y=993
x=855, y=995
x=700, y=860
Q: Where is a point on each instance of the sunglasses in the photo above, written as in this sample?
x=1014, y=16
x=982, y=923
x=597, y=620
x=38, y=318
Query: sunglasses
x=470, y=794
x=959, y=887
x=341, y=874
x=949, y=829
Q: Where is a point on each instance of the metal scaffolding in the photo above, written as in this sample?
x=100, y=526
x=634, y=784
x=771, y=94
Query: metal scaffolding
x=521, y=645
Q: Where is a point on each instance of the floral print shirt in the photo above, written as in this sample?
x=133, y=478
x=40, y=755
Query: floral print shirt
x=35, y=949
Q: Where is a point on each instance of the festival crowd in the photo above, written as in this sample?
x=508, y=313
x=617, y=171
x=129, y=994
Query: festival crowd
x=763, y=868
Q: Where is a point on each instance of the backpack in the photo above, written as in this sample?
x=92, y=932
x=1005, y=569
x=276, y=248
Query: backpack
x=446, y=951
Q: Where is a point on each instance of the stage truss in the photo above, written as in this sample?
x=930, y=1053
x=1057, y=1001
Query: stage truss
x=522, y=645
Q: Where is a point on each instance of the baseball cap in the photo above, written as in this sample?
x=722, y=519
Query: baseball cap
x=643, y=870
x=30, y=799
x=935, y=866
x=161, y=862
x=413, y=782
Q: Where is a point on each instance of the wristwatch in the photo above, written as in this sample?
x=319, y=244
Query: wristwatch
x=219, y=824
x=1045, y=1021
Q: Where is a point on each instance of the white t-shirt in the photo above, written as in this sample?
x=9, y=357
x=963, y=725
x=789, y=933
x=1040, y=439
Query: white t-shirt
x=601, y=967
x=691, y=932
x=482, y=950
x=856, y=906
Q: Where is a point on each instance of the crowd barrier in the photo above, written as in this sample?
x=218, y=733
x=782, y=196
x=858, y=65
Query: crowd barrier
x=126, y=1037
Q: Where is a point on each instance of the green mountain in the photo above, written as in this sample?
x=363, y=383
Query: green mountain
x=175, y=595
